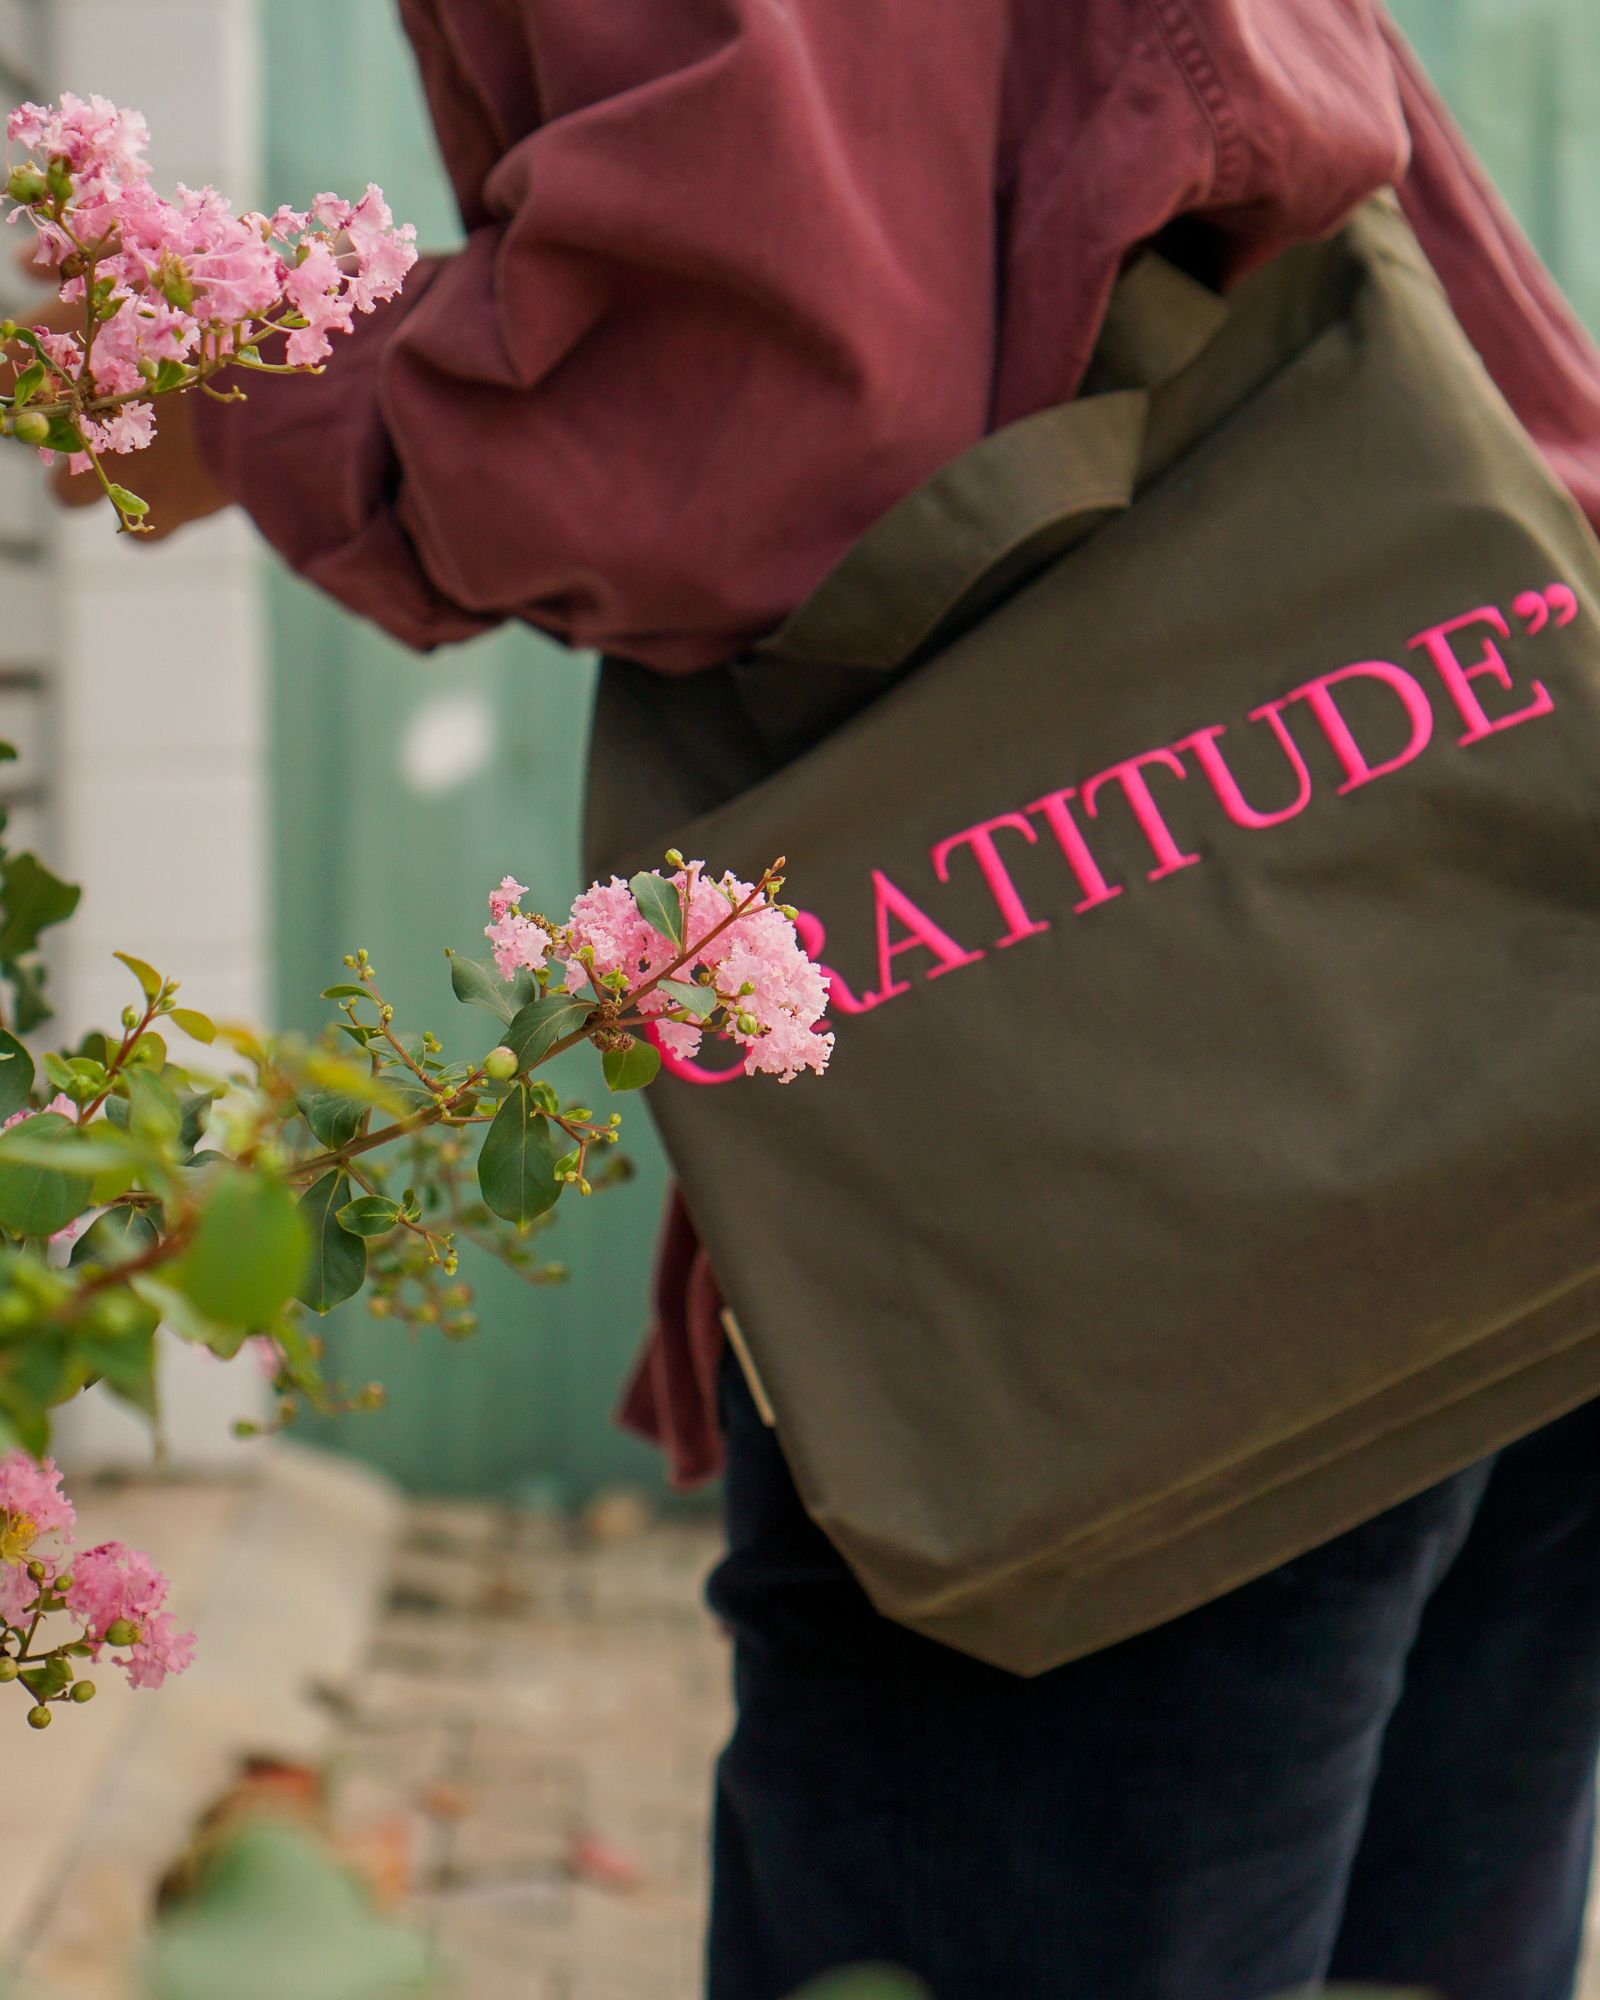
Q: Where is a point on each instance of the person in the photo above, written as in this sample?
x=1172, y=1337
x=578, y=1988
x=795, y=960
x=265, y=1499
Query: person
x=737, y=275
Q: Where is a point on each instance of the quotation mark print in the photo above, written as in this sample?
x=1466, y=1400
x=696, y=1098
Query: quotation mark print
x=1535, y=607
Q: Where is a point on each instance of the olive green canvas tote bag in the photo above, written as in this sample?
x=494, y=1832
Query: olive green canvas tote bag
x=1194, y=792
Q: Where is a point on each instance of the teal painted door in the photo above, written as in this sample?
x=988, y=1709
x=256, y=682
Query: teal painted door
x=1523, y=77
x=405, y=788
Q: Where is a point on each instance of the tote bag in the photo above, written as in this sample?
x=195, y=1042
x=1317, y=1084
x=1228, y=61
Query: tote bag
x=1194, y=792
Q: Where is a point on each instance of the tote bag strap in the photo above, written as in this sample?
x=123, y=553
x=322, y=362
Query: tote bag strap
x=1011, y=503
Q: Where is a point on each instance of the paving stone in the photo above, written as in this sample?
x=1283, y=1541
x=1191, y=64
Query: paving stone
x=550, y=1687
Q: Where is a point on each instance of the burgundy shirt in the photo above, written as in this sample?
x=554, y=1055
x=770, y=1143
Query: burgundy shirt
x=740, y=273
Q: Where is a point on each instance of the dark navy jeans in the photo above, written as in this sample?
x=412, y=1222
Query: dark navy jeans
x=1375, y=1763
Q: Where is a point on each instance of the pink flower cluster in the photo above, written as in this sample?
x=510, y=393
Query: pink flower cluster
x=771, y=995
x=518, y=941
x=188, y=275
x=115, y=1585
x=33, y=1511
x=112, y=1585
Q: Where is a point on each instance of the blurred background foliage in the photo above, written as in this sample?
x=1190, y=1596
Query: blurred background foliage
x=467, y=763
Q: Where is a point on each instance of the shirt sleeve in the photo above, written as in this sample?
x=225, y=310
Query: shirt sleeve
x=729, y=299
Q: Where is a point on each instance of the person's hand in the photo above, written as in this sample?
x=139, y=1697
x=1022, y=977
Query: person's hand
x=171, y=473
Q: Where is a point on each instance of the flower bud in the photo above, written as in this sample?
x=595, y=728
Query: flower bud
x=31, y=426
x=500, y=1064
x=84, y=1691
x=8, y=1670
x=36, y=1570
x=176, y=287
x=39, y=1718
x=27, y=185
x=59, y=180
x=121, y=1632
x=62, y=1584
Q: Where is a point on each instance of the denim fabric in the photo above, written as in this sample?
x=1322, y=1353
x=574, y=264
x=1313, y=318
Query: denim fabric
x=1375, y=1763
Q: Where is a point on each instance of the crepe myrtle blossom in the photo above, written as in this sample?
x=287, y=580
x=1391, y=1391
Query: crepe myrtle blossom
x=173, y=290
x=111, y=1595
x=685, y=952
x=117, y=1595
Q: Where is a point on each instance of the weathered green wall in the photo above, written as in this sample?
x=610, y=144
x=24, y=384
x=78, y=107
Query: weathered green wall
x=1523, y=76
x=364, y=857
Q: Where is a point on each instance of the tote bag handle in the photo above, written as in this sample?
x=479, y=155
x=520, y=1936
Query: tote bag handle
x=1010, y=504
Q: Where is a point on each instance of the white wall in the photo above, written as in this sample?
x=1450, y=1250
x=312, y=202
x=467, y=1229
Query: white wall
x=159, y=803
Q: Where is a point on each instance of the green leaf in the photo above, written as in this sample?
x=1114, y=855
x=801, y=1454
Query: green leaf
x=337, y=1267
x=150, y=981
x=27, y=976
x=866, y=1982
x=516, y=1168
x=197, y=1026
x=344, y=992
x=273, y=1911
x=33, y=900
x=57, y=1073
x=181, y=1316
x=116, y=1237
x=369, y=1215
x=16, y=1075
x=64, y=435
x=631, y=1068
x=128, y=503
x=39, y=1199
x=659, y=905
x=110, y=1183
x=37, y=1143
x=29, y=383
x=149, y=1052
x=194, y=1108
x=408, y=1092
x=169, y=376
x=475, y=985
x=700, y=1001
x=153, y=1110
x=536, y=1028
x=335, y=1117
x=249, y=1251
x=119, y=1349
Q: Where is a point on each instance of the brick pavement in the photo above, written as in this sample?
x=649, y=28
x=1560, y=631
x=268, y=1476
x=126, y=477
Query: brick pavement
x=537, y=1725
x=538, y=1721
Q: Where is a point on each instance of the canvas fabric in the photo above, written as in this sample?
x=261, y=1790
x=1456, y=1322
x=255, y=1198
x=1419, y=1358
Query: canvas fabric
x=1194, y=791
